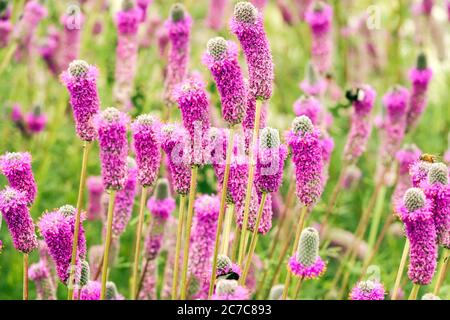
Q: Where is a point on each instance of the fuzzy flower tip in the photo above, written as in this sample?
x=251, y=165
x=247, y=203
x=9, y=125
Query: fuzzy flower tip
x=13, y=205
x=270, y=161
x=306, y=263
x=57, y=228
x=81, y=82
x=174, y=141
x=162, y=204
x=194, y=105
x=112, y=135
x=16, y=166
x=124, y=201
x=247, y=24
x=420, y=77
x=367, y=290
x=416, y=214
x=307, y=157
x=202, y=240
x=179, y=31
x=230, y=290
x=147, y=147
x=361, y=126
x=222, y=60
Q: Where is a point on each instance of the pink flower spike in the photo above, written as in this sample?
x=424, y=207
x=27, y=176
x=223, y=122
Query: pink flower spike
x=368, y=290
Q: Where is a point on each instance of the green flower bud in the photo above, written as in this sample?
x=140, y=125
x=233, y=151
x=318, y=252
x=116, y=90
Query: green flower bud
x=414, y=199
x=308, y=247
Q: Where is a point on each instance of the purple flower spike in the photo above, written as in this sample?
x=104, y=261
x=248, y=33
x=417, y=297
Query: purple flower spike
x=230, y=290
x=91, y=291
x=202, y=240
x=306, y=147
x=112, y=136
x=95, y=190
x=394, y=125
x=270, y=161
x=5, y=31
x=70, y=39
x=179, y=29
x=147, y=147
x=313, y=84
x=416, y=214
x=124, y=202
x=248, y=26
x=16, y=166
x=57, y=229
x=310, y=107
x=367, y=290
x=36, y=120
x=13, y=205
x=42, y=278
x=193, y=103
x=81, y=82
x=420, y=77
x=216, y=14
x=175, y=142
x=319, y=16
x=361, y=126
x=437, y=190
x=222, y=60
x=127, y=23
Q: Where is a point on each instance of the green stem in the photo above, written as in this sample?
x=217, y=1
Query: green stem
x=400, y=271
x=443, y=266
x=25, y=276
x=414, y=291
x=112, y=199
x=376, y=217
x=73, y=260
x=187, y=233
x=178, y=247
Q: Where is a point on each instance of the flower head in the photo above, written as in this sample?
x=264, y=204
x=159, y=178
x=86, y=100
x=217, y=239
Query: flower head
x=16, y=166
x=81, y=82
x=161, y=204
x=367, y=290
x=112, y=135
x=13, y=206
x=229, y=290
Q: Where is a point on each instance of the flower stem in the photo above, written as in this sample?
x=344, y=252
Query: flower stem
x=401, y=268
x=442, y=270
x=227, y=229
x=376, y=218
x=301, y=221
x=112, y=198
x=187, y=231
x=251, y=175
x=137, y=247
x=25, y=276
x=73, y=260
x=297, y=288
x=222, y=211
x=254, y=240
x=178, y=247
x=414, y=291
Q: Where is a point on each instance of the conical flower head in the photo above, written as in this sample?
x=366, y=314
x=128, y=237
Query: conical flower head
x=177, y=12
x=147, y=147
x=78, y=68
x=217, y=47
x=302, y=125
x=13, y=206
x=308, y=247
x=270, y=138
x=438, y=173
x=112, y=135
x=224, y=264
x=16, y=166
x=414, y=199
x=245, y=12
x=111, y=291
x=276, y=292
x=162, y=189
x=85, y=274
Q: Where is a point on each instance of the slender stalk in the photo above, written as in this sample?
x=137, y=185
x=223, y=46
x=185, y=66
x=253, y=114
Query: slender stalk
x=377, y=245
x=8, y=55
x=227, y=229
x=112, y=199
x=414, y=291
x=442, y=270
x=297, y=288
x=137, y=247
x=401, y=268
x=376, y=218
x=222, y=211
x=178, y=246
x=187, y=231
x=294, y=248
x=25, y=276
x=251, y=175
x=254, y=240
x=73, y=260
x=237, y=236
x=142, y=278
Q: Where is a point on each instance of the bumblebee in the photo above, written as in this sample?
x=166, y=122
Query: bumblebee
x=431, y=158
